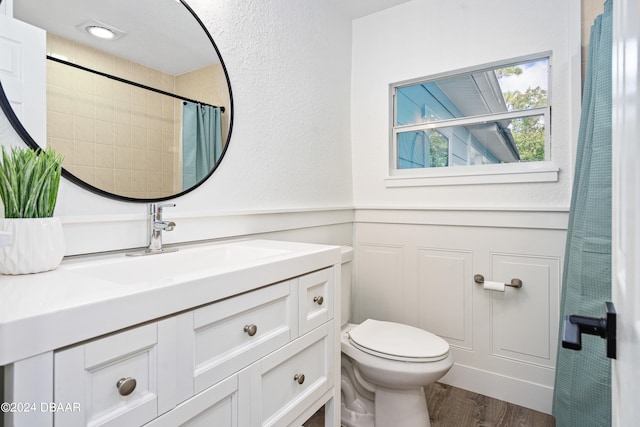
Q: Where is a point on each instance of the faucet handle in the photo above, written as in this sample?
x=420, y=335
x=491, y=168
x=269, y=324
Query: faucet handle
x=156, y=208
x=159, y=206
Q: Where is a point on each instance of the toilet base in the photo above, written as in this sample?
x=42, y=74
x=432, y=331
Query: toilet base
x=401, y=408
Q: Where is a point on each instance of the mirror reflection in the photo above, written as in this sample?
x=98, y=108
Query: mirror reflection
x=137, y=97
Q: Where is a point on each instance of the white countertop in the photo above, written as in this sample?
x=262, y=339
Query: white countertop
x=45, y=311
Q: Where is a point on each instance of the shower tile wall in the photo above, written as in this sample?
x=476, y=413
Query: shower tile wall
x=207, y=85
x=115, y=136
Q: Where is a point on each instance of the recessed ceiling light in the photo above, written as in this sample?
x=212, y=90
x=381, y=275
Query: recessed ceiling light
x=101, y=30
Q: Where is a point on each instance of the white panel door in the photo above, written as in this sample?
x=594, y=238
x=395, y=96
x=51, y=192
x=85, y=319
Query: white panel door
x=626, y=211
x=6, y=7
x=23, y=74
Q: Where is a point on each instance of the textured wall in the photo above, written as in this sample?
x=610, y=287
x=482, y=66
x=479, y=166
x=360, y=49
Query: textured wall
x=425, y=37
x=289, y=65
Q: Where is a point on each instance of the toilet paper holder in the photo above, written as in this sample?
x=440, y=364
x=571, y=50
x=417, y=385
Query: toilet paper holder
x=515, y=283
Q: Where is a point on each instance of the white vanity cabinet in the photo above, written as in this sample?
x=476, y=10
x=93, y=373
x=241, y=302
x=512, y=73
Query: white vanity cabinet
x=263, y=355
x=279, y=340
x=126, y=379
x=286, y=382
x=315, y=299
x=221, y=338
x=216, y=406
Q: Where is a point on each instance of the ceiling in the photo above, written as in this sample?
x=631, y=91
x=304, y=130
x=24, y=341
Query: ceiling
x=161, y=35
x=359, y=8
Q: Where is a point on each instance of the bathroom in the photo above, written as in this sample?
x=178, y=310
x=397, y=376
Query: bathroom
x=308, y=161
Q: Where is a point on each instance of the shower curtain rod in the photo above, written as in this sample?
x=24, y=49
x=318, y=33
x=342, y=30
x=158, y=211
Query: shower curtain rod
x=120, y=79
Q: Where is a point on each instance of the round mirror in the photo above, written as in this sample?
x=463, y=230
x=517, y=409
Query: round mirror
x=134, y=94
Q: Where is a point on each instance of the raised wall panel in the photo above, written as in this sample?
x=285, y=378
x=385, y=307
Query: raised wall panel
x=525, y=320
x=379, y=288
x=445, y=294
x=504, y=344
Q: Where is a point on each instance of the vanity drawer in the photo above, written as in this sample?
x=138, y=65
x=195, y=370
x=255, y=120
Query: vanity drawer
x=125, y=379
x=233, y=333
x=284, y=383
x=315, y=299
x=217, y=406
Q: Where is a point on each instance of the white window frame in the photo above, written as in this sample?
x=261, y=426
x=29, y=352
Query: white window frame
x=524, y=172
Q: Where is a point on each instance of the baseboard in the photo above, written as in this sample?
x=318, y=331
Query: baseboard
x=530, y=395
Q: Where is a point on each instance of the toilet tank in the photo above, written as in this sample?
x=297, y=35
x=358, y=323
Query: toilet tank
x=345, y=284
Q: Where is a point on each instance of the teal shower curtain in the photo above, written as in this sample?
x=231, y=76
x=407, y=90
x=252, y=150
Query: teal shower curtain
x=582, y=393
x=201, y=141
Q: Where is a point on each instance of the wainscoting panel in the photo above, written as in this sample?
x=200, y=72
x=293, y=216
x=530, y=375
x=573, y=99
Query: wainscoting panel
x=445, y=298
x=525, y=320
x=420, y=272
x=128, y=231
x=381, y=267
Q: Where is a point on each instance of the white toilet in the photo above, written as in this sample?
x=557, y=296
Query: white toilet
x=385, y=366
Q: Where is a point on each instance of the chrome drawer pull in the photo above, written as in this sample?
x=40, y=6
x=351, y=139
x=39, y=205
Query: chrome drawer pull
x=251, y=329
x=299, y=378
x=319, y=300
x=126, y=386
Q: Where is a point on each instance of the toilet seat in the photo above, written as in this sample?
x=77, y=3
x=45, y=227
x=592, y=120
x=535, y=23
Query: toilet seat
x=396, y=341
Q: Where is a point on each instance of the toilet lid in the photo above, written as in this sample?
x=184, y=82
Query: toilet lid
x=398, y=342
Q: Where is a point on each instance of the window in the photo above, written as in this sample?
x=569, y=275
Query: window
x=490, y=115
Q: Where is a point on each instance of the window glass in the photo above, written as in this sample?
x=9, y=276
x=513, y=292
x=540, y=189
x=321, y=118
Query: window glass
x=505, y=141
x=490, y=115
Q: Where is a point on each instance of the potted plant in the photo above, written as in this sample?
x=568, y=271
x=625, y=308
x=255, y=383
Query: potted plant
x=29, y=181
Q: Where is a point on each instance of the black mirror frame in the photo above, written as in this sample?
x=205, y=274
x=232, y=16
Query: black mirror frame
x=28, y=139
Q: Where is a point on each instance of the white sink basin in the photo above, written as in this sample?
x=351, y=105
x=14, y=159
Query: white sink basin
x=114, y=291
x=171, y=266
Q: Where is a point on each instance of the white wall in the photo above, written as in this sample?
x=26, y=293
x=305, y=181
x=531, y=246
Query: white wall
x=289, y=65
x=303, y=92
x=418, y=248
x=425, y=37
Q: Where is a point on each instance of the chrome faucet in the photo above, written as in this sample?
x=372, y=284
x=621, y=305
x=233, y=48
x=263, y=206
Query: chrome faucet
x=156, y=225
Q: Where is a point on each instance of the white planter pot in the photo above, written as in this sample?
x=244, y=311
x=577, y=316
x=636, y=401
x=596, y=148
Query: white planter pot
x=37, y=245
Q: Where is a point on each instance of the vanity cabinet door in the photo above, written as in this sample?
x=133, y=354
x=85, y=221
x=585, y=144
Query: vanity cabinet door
x=286, y=382
x=121, y=380
x=315, y=299
x=231, y=334
x=217, y=406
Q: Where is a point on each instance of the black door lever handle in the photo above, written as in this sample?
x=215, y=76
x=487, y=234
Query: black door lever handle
x=605, y=327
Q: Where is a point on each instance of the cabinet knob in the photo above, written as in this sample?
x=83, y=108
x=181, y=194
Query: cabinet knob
x=251, y=329
x=319, y=300
x=126, y=386
x=299, y=378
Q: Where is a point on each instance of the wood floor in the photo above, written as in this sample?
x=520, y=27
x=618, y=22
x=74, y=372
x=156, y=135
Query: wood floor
x=454, y=407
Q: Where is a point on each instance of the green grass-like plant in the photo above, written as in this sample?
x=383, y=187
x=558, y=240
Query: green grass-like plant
x=29, y=181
